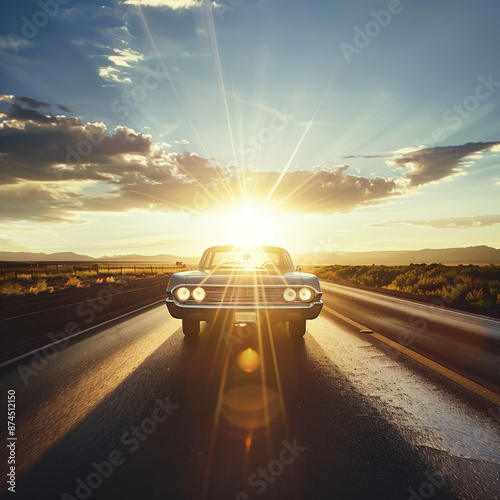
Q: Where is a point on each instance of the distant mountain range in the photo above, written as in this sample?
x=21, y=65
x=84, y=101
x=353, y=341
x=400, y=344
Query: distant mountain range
x=74, y=257
x=469, y=255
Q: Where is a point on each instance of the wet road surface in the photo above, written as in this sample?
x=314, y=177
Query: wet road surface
x=138, y=411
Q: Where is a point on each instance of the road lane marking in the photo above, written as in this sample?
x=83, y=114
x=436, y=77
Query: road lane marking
x=57, y=342
x=407, y=301
x=485, y=393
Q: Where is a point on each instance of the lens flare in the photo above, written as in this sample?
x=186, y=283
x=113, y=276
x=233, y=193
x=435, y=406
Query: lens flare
x=248, y=360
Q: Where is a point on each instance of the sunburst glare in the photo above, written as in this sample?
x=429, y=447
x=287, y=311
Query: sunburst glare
x=249, y=227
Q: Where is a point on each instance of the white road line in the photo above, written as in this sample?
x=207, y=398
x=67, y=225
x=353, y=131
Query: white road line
x=407, y=301
x=491, y=396
x=34, y=351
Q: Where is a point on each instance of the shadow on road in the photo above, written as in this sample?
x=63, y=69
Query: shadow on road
x=230, y=415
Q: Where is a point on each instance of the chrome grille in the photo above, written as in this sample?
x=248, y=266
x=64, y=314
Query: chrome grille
x=244, y=295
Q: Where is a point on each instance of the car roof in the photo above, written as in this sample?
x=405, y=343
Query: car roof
x=265, y=248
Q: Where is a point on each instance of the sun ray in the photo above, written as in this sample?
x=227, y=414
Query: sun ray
x=213, y=39
x=299, y=143
x=208, y=153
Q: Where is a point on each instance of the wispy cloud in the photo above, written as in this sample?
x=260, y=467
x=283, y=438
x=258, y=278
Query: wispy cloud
x=447, y=222
x=435, y=164
x=368, y=156
x=124, y=57
x=171, y=4
x=113, y=74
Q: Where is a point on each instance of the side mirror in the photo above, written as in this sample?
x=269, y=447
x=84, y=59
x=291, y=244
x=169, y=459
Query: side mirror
x=298, y=269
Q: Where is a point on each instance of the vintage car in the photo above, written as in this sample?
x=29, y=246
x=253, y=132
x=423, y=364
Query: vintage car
x=246, y=285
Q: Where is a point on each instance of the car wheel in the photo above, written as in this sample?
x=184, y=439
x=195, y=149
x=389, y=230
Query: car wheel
x=190, y=327
x=297, y=328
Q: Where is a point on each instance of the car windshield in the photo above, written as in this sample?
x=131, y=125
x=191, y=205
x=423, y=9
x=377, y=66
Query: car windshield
x=237, y=258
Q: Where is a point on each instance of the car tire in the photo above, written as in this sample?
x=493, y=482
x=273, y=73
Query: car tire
x=297, y=328
x=190, y=327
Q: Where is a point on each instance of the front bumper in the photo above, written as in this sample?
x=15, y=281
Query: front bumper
x=275, y=313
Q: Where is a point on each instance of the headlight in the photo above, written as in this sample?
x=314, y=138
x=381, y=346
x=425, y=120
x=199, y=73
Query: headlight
x=305, y=294
x=182, y=294
x=289, y=294
x=198, y=294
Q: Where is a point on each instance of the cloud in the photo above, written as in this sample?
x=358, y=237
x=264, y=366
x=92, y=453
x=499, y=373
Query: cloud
x=6, y=98
x=10, y=245
x=32, y=103
x=21, y=114
x=171, y=4
x=435, y=164
x=125, y=56
x=320, y=191
x=37, y=147
x=13, y=42
x=112, y=74
x=41, y=202
x=66, y=109
x=447, y=223
x=55, y=167
x=367, y=156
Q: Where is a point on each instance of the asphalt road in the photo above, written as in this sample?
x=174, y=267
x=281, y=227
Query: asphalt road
x=30, y=322
x=465, y=342
x=134, y=411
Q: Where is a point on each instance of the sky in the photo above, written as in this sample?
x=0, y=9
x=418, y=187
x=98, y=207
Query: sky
x=165, y=126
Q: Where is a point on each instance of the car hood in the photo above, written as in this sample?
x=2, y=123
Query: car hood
x=244, y=278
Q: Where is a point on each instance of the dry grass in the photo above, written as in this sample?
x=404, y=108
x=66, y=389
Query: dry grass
x=477, y=285
x=24, y=279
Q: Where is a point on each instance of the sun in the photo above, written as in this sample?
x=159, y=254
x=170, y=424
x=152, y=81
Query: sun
x=250, y=227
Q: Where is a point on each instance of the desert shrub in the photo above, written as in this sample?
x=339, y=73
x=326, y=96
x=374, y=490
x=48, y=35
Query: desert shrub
x=479, y=285
x=453, y=292
x=477, y=297
x=73, y=282
x=11, y=288
x=41, y=286
x=495, y=291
